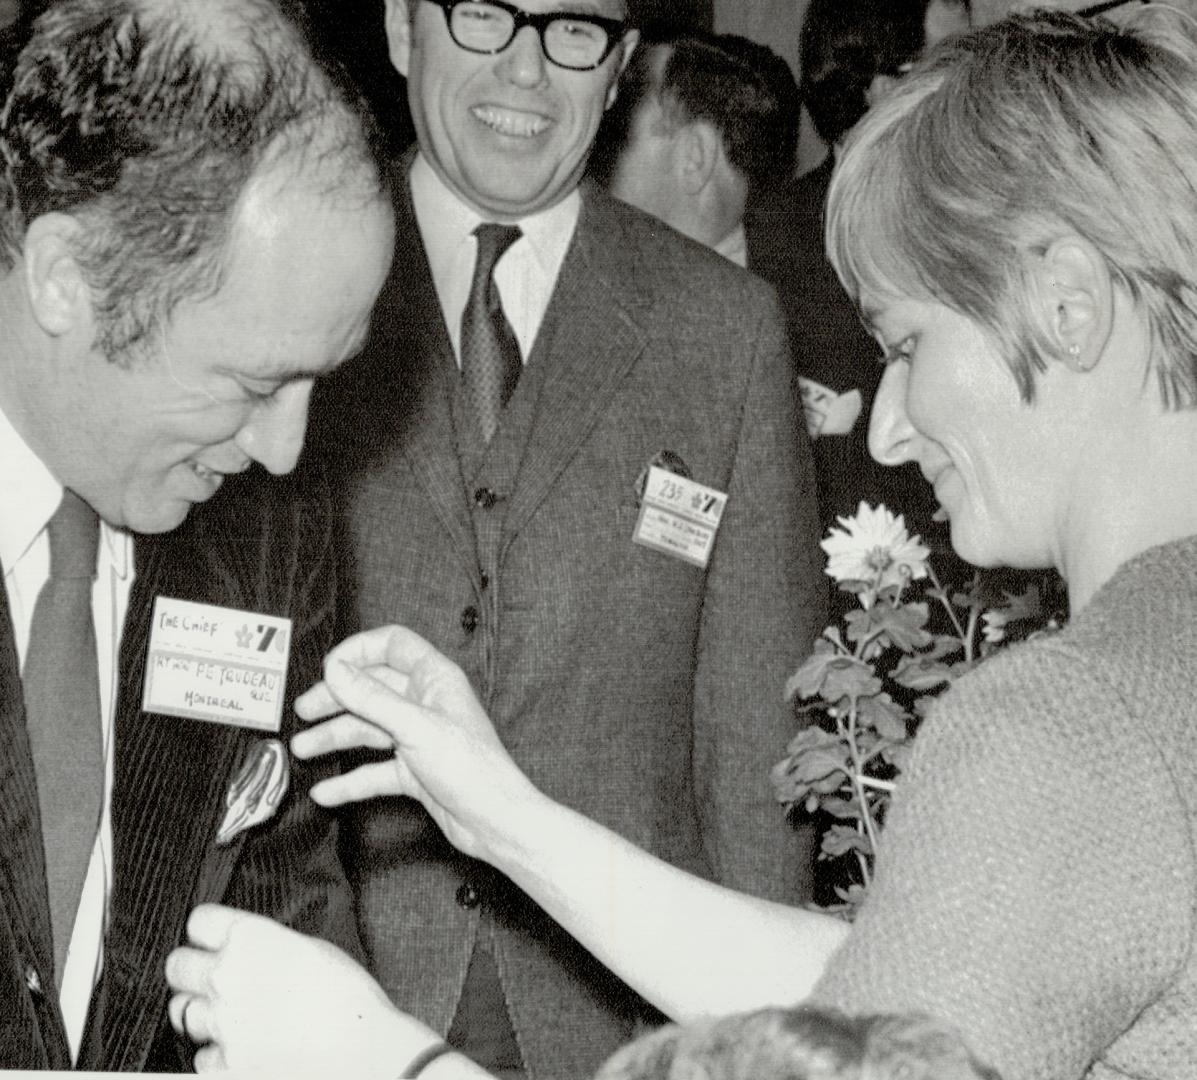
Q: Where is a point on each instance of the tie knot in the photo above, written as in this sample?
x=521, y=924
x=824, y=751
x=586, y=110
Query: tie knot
x=74, y=532
x=493, y=241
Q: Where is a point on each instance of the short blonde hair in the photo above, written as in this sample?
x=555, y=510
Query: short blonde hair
x=1011, y=136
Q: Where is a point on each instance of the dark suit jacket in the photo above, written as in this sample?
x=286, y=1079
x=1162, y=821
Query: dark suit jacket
x=255, y=547
x=643, y=691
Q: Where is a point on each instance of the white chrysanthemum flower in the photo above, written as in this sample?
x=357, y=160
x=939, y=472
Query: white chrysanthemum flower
x=874, y=546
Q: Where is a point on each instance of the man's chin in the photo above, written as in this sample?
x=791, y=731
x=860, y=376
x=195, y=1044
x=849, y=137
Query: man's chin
x=158, y=519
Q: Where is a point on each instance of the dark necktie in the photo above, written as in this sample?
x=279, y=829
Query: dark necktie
x=490, y=354
x=62, y=700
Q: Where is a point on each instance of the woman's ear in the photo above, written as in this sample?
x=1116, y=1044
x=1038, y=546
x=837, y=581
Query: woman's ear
x=1077, y=298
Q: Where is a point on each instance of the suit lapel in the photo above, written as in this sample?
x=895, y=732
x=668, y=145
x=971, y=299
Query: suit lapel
x=590, y=339
x=169, y=779
x=412, y=366
x=22, y=857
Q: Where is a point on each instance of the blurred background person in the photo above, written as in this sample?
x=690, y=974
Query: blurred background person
x=702, y=123
x=853, y=52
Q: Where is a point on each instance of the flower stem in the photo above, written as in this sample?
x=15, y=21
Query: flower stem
x=887, y=786
x=941, y=593
x=858, y=786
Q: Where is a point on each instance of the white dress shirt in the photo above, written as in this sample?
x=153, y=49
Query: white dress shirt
x=28, y=500
x=734, y=247
x=526, y=274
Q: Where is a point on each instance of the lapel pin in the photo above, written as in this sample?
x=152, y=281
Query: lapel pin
x=256, y=792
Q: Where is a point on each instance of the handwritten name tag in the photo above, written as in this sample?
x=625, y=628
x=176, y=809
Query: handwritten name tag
x=679, y=517
x=217, y=664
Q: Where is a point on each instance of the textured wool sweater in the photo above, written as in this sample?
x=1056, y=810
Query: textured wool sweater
x=1037, y=882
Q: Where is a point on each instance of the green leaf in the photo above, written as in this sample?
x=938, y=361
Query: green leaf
x=903, y=626
x=845, y=809
x=817, y=762
x=843, y=839
x=921, y=674
x=898, y=755
x=885, y=716
x=808, y=679
x=848, y=679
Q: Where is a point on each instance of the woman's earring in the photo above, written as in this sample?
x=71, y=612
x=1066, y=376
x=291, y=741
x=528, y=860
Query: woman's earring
x=1074, y=356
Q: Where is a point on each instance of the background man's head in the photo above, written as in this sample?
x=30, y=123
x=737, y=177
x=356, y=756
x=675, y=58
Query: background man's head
x=702, y=121
x=852, y=50
x=507, y=121
x=785, y=1044
x=168, y=164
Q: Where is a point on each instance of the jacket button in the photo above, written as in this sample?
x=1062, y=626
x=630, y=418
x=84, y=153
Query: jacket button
x=467, y=897
x=485, y=499
x=469, y=620
x=33, y=980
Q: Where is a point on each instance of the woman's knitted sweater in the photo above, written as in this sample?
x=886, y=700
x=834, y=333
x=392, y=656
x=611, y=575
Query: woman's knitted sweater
x=1037, y=884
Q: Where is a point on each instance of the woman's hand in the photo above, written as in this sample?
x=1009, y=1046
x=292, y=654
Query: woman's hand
x=388, y=689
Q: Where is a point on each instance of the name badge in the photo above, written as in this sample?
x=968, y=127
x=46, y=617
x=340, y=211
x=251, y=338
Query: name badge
x=217, y=664
x=679, y=516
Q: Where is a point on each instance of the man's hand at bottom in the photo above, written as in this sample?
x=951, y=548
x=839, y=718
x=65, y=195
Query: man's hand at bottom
x=255, y=995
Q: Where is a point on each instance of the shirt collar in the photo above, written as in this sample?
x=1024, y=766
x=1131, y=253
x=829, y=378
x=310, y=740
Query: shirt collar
x=446, y=222
x=734, y=246
x=30, y=497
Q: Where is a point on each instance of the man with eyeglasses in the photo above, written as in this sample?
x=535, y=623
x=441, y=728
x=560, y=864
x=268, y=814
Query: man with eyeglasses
x=545, y=365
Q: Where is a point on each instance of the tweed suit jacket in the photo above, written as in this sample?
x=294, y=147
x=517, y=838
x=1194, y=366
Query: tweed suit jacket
x=641, y=690
x=255, y=547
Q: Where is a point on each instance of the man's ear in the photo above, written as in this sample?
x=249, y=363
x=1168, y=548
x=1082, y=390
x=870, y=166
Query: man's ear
x=397, y=19
x=1076, y=296
x=699, y=145
x=58, y=293
x=628, y=46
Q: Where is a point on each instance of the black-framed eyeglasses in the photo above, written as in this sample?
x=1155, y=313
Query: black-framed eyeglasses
x=571, y=40
x=1107, y=5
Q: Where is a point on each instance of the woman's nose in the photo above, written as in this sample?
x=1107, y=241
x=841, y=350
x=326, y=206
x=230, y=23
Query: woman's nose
x=890, y=430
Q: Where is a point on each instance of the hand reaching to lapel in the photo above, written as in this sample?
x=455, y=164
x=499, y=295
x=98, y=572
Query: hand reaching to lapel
x=262, y=998
x=388, y=689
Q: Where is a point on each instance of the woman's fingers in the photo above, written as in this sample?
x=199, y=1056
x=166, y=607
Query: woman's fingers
x=364, y=782
x=344, y=732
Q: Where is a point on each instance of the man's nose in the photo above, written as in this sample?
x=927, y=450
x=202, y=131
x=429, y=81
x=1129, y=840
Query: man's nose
x=274, y=433
x=524, y=59
x=890, y=430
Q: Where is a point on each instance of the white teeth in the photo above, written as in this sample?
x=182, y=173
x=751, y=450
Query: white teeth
x=506, y=122
x=203, y=472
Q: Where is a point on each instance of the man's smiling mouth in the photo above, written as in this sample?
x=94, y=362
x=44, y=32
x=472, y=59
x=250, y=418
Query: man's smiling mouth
x=524, y=125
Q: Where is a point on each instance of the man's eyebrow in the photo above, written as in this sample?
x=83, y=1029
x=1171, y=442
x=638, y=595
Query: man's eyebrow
x=583, y=8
